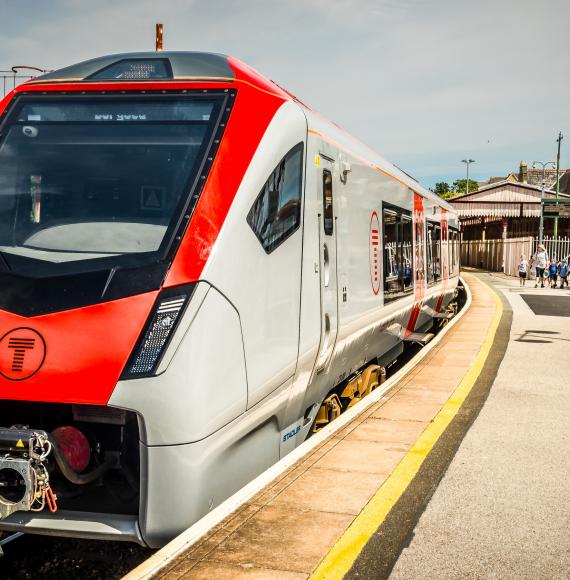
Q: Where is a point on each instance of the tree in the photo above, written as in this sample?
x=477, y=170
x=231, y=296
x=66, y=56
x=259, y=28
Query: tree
x=460, y=186
x=442, y=187
x=444, y=190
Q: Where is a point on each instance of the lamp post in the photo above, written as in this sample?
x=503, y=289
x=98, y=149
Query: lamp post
x=467, y=163
x=544, y=165
x=559, y=141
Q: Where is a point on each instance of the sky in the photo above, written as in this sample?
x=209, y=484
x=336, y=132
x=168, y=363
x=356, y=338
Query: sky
x=426, y=83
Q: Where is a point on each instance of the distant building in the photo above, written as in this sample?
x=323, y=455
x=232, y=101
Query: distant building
x=532, y=177
x=507, y=209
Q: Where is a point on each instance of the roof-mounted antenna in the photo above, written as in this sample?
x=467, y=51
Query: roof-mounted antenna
x=158, y=39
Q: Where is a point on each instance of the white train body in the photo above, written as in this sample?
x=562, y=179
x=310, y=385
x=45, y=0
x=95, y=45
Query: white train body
x=269, y=332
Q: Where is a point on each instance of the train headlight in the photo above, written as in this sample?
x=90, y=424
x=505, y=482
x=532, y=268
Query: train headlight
x=157, y=333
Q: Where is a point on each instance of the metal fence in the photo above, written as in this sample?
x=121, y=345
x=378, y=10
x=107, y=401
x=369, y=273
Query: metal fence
x=556, y=248
x=10, y=79
x=504, y=255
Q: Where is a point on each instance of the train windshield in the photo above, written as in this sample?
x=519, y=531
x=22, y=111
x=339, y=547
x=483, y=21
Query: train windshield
x=98, y=179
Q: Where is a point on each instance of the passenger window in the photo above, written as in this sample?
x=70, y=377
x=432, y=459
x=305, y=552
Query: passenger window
x=407, y=249
x=328, y=202
x=434, y=253
x=398, y=254
x=390, y=228
x=419, y=255
x=276, y=213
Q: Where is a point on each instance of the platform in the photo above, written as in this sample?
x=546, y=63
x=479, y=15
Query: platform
x=503, y=508
x=372, y=478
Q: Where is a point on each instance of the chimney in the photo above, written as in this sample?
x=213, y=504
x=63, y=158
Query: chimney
x=523, y=173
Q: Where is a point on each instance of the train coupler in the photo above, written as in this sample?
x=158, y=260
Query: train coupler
x=24, y=476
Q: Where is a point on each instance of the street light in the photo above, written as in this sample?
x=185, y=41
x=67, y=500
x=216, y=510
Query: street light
x=468, y=162
x=544, y=165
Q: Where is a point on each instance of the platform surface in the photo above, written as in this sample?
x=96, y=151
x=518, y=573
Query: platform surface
x=290, y=530
x=503, y=508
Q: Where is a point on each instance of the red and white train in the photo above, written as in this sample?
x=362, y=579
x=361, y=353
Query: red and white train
x=196, y=270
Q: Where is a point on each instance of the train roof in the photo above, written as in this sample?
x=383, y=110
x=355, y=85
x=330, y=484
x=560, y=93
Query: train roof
x=146, y=66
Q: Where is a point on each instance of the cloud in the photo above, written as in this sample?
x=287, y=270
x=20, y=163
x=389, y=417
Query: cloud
x=423, y=82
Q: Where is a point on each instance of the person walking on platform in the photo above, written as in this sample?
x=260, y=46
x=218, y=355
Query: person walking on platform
x=553, y=273
x=563, y=273
x=523, y=269
x=540, y=261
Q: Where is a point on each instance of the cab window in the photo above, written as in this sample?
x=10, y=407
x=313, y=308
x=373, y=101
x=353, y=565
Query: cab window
x=276, y=212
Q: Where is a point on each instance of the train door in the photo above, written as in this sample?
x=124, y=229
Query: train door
x=328, y=265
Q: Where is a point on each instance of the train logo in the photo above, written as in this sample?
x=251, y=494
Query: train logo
x=374, y=252
x=22, y=353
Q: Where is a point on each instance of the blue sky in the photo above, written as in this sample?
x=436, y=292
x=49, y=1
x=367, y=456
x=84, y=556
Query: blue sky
x=426, y=83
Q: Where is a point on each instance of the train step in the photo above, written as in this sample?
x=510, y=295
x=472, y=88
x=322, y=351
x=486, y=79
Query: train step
x=419, y=337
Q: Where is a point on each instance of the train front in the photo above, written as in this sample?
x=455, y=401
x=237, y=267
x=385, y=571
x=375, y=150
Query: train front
x=115, y=178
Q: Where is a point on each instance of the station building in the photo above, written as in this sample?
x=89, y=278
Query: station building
x=509, y=207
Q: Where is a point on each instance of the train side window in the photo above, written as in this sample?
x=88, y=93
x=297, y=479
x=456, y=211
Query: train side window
x=276, y=212
x=328, y=211
x=407, y=248
x=390, y=229
x=434, y=253
x=397, y=230
x=437, y=253
x=429, y=246
x=419, y=253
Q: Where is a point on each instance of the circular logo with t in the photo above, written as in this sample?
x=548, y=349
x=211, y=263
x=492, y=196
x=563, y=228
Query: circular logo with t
x=374, y=252
x=22, y=353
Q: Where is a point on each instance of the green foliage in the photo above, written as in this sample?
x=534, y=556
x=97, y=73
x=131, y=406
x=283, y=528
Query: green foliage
x=444, y=190
x=442, y=187
x=460, y=186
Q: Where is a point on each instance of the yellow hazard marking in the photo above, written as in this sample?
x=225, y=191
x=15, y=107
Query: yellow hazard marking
x=317, y=160
x=20, y=443
x=342, y=555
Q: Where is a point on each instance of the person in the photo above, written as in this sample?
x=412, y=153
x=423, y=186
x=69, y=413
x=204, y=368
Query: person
x=523, y=269
x=553, y=273
x=563, y=273
x=540, y=261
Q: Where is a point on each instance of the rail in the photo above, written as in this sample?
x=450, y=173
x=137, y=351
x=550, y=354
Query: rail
x=504, y=255
x=10, y=79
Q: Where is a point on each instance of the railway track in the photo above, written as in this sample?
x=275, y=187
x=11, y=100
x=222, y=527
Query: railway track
x=31, y=557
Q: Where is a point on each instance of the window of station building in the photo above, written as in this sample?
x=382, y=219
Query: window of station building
x=398, y=253
x=276, y=213
x=328, y=211
x=433, y=253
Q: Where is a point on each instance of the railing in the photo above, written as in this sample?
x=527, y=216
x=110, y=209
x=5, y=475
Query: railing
x=556, y=248
x=504, y=255
x=10, y=79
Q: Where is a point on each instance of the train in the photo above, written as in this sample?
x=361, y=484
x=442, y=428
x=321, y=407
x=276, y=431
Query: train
x=197, y=272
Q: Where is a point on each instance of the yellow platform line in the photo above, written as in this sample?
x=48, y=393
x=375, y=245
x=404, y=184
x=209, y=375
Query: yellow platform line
x=342, y=555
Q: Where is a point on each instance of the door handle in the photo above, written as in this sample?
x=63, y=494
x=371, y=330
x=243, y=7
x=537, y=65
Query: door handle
x=326, y=266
